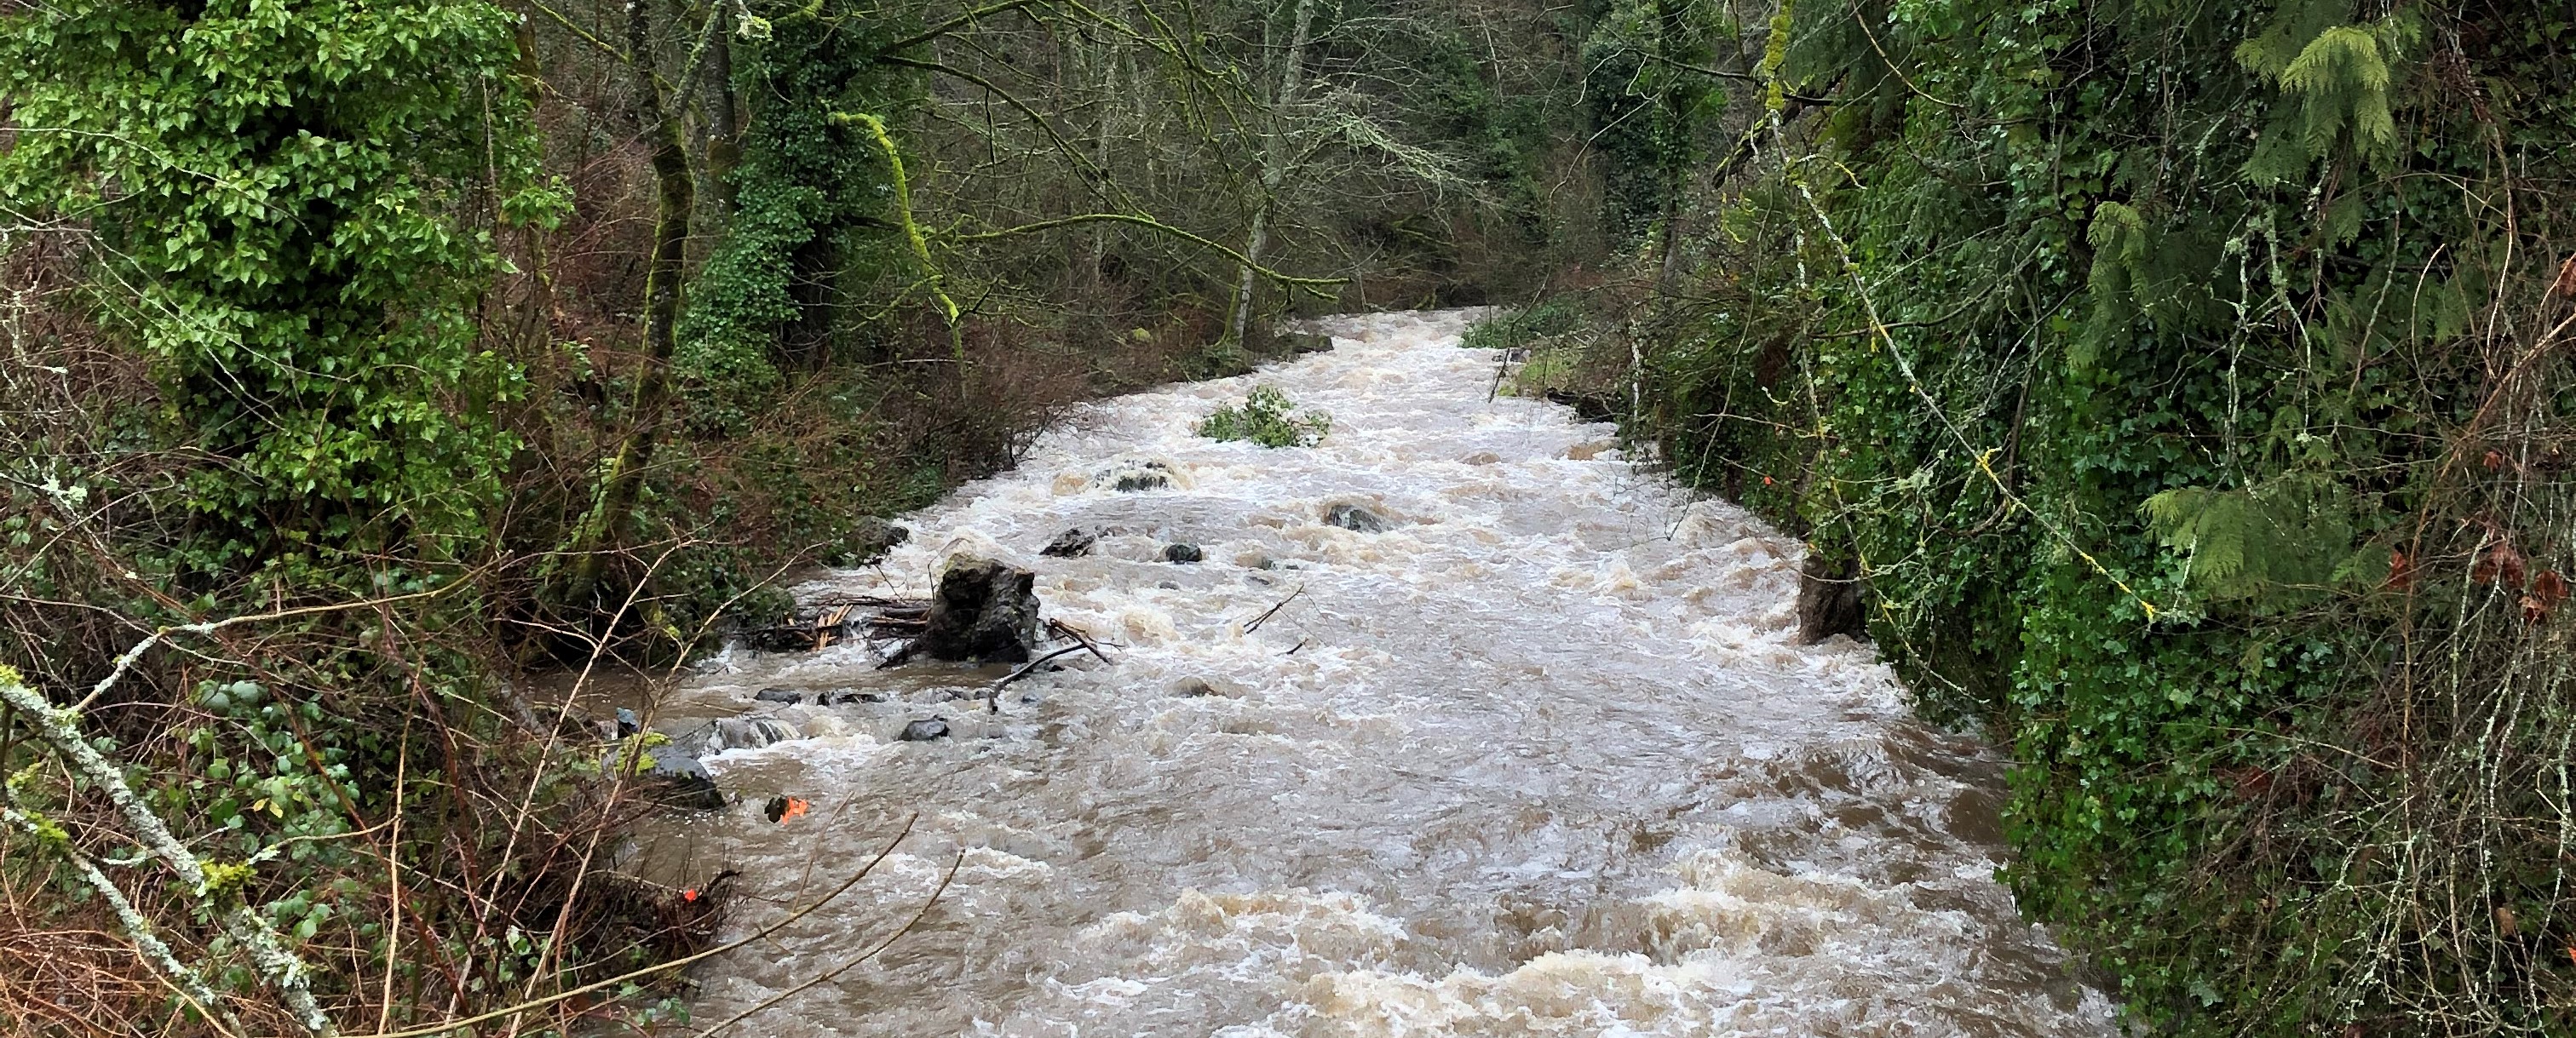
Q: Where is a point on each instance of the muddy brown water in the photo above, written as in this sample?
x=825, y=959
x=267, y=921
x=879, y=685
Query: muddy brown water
x=1540, y=758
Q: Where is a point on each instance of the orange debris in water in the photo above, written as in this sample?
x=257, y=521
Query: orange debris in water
x=795, y=807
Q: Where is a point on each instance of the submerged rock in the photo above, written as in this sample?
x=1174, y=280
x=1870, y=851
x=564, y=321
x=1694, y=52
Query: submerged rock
x=924, y=730
x=749, y=733
x=1183, y=553
x=778, y=695
x=984, y=611
x=679, y=780
x=1071, y=543
x=1355, y=518
x=1131, y=476
x=869, y=540
x=1590, y=407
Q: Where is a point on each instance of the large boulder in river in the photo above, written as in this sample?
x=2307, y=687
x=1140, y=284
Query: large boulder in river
x=984, y=611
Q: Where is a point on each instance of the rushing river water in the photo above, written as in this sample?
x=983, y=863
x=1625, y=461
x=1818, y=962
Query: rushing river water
x=1540, y=758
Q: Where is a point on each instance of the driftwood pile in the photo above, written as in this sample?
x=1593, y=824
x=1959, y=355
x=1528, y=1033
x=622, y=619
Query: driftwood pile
x=830, y=622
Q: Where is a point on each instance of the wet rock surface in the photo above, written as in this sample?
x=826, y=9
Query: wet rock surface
x=1073, y=543
x=924, y=730
x=1829, y=601
x=748, y=733
x=1356, y=518
x=1128, y=477
x=675, y=779
x=984, y=611
x=869, y=540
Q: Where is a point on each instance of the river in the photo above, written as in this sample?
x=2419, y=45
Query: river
x=1540, y=758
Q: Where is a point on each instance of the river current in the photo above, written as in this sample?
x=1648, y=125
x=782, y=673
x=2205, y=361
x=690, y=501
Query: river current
x=1541, y=757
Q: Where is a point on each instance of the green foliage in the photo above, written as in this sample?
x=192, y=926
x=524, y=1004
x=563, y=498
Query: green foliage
x=2281, y=543
x=273, y=184
x=2341, y=74
x=1653, y=105
x=1267, y=418
x=287, y=212
x=1650, y=104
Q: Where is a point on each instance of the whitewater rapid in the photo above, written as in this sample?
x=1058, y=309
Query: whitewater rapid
x=1540, y=758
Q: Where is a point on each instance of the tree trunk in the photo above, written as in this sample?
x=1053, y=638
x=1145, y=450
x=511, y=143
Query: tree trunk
x=675, y=197
x=1274, y=168
x=1096, y=243
x=725, y=150
x=1672, y=176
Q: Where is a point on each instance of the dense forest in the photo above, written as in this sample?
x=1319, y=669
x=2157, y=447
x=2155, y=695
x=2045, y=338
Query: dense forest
x=2175, y=382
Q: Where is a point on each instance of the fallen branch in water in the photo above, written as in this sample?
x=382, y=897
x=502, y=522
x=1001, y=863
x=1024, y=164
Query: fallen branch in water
x=828, y=623
x=889, y=603
x=1070, y=631
x=1265, y=616
x=993, y=695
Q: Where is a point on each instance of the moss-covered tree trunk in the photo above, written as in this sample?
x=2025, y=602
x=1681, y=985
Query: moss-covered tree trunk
x=675, y=197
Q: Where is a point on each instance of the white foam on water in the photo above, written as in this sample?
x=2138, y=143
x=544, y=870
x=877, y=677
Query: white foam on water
x=1539, y=758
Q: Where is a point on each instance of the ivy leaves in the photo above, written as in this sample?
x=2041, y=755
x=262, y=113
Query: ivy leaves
x=273, y=183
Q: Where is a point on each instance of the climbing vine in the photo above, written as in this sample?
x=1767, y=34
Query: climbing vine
x=812, y=213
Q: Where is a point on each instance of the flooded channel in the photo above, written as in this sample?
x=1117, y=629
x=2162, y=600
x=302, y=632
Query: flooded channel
x=1540, y=756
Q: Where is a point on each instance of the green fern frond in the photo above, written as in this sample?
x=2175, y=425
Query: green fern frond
x=2343, y=77
x=2275, y=545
